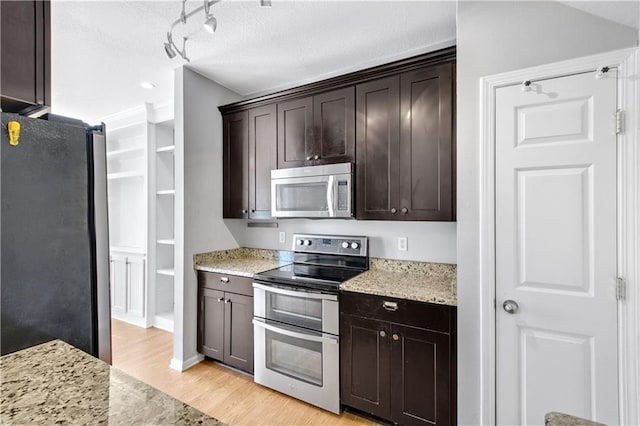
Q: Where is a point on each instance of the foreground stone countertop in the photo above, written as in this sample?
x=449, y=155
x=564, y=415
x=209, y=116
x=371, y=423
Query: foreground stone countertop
x=56, y=383
x=242, y=261
x=420, y=281
x=561, y=419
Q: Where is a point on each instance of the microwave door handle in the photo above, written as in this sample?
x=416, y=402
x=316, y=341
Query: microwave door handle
x=302, y=336
x=305, y=295
x=330, y=195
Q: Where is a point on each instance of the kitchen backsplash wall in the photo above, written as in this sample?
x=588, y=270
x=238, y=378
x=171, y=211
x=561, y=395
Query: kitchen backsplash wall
x=426, y=241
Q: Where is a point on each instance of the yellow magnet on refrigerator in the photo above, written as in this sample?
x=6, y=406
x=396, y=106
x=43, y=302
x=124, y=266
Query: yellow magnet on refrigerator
x=14, y=132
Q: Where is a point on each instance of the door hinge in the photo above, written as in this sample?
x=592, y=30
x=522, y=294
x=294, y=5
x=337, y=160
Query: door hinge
x=621, y=289
x=619, y=122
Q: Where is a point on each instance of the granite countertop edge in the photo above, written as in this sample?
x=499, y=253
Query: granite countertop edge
x=413, y=280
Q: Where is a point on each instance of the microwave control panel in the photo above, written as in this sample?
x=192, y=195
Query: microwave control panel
x=343, y=195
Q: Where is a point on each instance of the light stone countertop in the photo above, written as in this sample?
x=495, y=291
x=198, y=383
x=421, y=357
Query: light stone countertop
x=242, y=261
x=56, y=383
x=560, y=419
x=420, y=281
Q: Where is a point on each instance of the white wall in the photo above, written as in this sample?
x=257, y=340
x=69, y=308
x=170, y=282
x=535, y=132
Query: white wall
x=427, y=241
x=198, y=215
x=495, y=37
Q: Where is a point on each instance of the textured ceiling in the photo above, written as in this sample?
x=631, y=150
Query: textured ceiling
x=101, y=51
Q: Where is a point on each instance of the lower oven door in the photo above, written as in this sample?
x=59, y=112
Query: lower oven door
x=298, y=362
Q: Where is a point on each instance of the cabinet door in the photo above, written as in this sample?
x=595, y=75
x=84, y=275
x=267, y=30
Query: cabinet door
x=420, y=377
x=235, y=165
x=25, y=36
x=426, y=144
x=334, y=127
x=238, y=341
x=263, y=158
x=295, y=132
x=118, y=278
x=135, y=286
x=211, y=323
x=365, y=357
x=377, y=143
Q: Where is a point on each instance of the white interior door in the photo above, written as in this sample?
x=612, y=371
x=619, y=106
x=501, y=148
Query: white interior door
x=556, y=250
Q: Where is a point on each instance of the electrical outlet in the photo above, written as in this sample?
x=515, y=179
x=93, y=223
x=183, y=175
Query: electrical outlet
x=282, y=237
x=402, y=243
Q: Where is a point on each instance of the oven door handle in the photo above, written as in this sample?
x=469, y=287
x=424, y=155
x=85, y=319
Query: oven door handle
x=303, y=294
x=308, y=337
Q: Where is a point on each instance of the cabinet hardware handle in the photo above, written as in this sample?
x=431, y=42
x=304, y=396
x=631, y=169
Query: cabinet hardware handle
x=382, y=333
x=244, y=211
x=253, y=210
x=309, y=158
x=220, y=299
x=390, y=306
x=228, y=301
x=393, y=210
x=316, y=157
x=224, y=279
x=404, y=210
x=395, y=336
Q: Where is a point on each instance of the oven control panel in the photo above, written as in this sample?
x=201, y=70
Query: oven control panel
x=331, y=244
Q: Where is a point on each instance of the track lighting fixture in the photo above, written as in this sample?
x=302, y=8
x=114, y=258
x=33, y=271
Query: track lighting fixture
x=210, y=25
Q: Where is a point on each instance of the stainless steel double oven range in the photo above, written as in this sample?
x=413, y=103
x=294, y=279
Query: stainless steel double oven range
x=296, y=317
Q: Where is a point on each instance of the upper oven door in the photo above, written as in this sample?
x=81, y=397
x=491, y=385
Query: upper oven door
x=311, y=196
x=315, y=311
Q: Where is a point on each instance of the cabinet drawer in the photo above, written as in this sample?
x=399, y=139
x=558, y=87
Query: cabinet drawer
x=408, y=312
x=226, y=282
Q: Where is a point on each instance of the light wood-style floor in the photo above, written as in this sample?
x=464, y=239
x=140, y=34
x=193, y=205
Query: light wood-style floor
x=220, y=392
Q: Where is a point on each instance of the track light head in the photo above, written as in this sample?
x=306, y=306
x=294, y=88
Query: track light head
x=210, y=24
x=169, y=50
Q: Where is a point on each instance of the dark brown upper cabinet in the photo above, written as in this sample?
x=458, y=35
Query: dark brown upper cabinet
x=404, y=145
x=317, y=129
x=295, y=132
x=25, y=82
x=262, y=159
x=235, y=151
x=249, y=150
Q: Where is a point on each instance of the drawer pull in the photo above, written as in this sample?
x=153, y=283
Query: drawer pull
x=224, y=279
x=390, y=306
x=220, y=299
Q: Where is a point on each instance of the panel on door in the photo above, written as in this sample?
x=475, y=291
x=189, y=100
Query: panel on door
x=238, y=342
x=263, y=158
x=135, y=286
x=211, y=335
x=421, y=376
x=119, y=283
x=334, y=123
x=426, y=144
x=295, y=132
x=364, y=355
x=377, y=149
x=556, y=250
x=235, y=165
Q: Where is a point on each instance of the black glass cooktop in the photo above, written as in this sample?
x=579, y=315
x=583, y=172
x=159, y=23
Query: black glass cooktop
x=318, y=277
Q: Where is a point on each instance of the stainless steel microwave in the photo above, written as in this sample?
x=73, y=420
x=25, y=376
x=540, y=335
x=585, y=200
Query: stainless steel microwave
x=313, y=192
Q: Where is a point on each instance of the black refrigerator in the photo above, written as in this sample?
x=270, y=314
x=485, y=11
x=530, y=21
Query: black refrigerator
x=54, y=229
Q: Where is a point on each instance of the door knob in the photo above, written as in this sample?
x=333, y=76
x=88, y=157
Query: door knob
x=404, y=210
x=395, y=337
x=394, y=210
x=316, y=157
x=309, y=158
x=510, y=307
x=382, y=333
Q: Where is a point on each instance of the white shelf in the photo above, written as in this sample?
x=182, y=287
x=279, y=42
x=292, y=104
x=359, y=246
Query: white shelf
x=124, y=175
x=168, y=272
x=169, y=148
x=127, y=249
x=124, y=152
x=168, y=242
x=166, y=192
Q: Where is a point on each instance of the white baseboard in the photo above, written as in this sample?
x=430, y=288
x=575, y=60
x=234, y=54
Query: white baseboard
x=140, y=322
x=178, y=365
x=162, y=323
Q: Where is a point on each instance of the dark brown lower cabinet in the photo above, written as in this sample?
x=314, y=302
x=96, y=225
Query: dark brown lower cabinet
x=398, y=372
x=225, y=331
